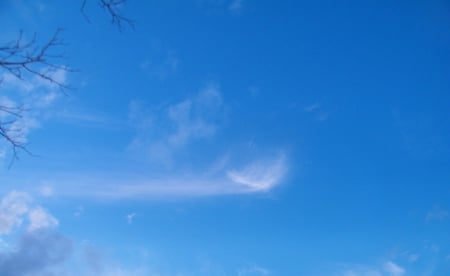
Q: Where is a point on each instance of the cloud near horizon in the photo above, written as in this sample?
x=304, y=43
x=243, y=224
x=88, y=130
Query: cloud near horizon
x=37, y=248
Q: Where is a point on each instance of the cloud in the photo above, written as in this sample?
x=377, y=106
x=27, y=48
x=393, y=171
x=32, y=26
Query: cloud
x=37, y=248
x=162, y=133
x=19, y=129
x=130, y=218
x=191, y=117
x=170, y=138
x=253, y=270
x=260, y=175
x=387, y=268
x=35, y=83
x=41, y=219
x=15, y=119
x=13, y=207
x=393, y=269
x=16, y=207
x=361, y=271
x=25, y=100
x=46, y=191
x=35, y=253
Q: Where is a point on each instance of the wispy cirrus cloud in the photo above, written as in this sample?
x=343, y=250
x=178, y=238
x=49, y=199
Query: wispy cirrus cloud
x=388, y=268
x=170, y=138
x=393, y=269
x=165, y=131
x=259, y=176
x=253, y=270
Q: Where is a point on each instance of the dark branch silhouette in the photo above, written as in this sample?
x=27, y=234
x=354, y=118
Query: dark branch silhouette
x=11, y=132
x=25, y=59
x=112, y=8
x=20, y=58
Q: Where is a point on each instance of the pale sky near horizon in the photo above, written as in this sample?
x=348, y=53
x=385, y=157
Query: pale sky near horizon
x=231, y=137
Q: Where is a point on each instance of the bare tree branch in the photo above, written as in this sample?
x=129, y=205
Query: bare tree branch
x=112, y=8
x=25, y=59
x=21, y=57
x=11, y=132
x=83, y=11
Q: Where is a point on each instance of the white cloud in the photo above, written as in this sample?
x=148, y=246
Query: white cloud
x=130, y=218
x=165, y=134
x=20, y=128
x=46, y=191
x=191, y=117
x=162, y=134
x=393, y=269
x=28, y=98
x=34, y=83
x=6, y=104
x=253, y=270
x=361, y=272
x=34, y=251
x=9, y=81
x=15, y=207
x=260, y=175
x=388, y=268
x=40, y=218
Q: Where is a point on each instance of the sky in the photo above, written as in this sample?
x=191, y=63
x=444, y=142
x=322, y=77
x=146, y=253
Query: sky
x=230, y=137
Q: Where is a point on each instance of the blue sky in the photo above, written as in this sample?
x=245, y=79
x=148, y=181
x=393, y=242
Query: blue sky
x=232, y=137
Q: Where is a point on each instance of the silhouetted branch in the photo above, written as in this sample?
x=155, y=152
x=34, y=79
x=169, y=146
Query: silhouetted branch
x=83, y=11
x=112, y=8
x=21, y=57
x=11, y=132
x=24, y=59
